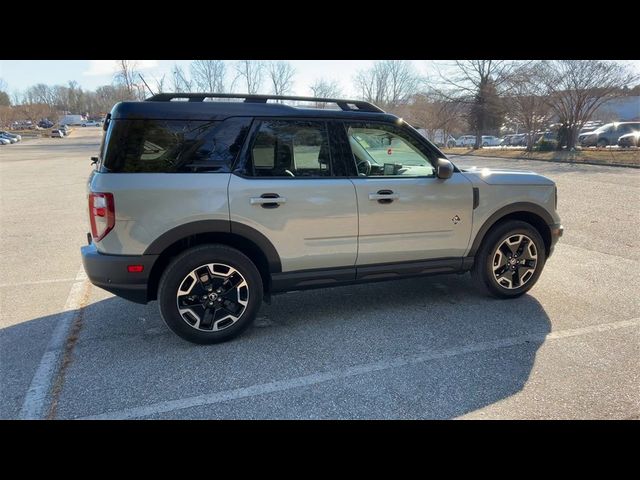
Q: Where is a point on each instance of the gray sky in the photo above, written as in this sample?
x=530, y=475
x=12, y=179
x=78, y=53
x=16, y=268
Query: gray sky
x=20, y=74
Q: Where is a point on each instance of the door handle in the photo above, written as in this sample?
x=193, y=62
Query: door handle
x=268, y=200
x=384, y=196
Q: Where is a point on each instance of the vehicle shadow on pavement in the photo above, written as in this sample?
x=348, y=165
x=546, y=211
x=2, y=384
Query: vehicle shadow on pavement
x=420, y=348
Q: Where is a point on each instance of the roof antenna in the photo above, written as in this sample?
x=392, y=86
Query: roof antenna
x=145, y=83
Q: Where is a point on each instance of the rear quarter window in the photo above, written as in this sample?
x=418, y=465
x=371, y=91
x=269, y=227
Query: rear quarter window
x=173, y=146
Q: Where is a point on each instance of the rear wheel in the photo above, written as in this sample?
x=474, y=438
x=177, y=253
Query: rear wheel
x=510, y=260
x=210, y=293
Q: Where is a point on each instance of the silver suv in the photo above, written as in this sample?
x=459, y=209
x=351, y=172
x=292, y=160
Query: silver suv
x=212, y=206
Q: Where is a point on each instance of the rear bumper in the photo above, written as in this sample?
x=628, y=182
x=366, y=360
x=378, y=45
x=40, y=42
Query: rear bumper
x=110, y=273
x=556, y=232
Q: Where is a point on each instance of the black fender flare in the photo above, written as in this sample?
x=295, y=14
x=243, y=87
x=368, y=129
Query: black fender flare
x=503, y=212
x=180, y=232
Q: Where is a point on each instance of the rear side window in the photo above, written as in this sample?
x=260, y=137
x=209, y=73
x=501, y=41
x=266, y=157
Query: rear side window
x=291, y=149
x=173, y=146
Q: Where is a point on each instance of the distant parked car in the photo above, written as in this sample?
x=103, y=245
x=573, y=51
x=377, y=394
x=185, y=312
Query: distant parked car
x=490, y=141
x=466, y=141
x=607, y=134
x=629, y=140
x=65, y=129
x=91, y=123
x=545, y=137
x=57, y=134
x=518, y=140
x=9, y=134
x=10, y=139
x=45, y=124
x=506, y=140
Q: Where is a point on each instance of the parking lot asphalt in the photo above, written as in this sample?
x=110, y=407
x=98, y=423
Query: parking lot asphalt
x=416, y=348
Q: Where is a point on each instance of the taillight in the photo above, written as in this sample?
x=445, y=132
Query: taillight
x=101, y=214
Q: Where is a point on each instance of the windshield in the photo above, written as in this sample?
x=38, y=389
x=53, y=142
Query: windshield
x=603, y=128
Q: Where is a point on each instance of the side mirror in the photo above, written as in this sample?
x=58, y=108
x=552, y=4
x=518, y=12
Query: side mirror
x=444, y=169
x=107, y=120
x=94, y=160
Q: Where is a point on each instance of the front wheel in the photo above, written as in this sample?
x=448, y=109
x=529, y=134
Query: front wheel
x=210, y=294
x=510, y=260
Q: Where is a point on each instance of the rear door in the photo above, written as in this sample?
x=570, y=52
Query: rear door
x=291, y=187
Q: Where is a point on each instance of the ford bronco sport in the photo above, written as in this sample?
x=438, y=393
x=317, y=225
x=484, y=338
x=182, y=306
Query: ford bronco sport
x=210, y=206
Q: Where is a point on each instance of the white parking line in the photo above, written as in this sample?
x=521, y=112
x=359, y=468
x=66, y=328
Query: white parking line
x=34, y=405
x=38, y=282
x=316, y=378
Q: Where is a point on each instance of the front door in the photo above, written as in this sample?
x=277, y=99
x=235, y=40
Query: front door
x=291, y=191
x=406, y=213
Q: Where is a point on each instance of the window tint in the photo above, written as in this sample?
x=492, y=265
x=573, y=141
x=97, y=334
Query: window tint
x=385, y=150
x=628, y=128
x=171, y=146
x=290, y=149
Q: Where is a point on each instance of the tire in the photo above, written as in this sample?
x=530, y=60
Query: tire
x=485, y=144
x=193, y=323
x=483, y=267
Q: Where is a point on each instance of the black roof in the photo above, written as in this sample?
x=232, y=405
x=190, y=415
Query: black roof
x=164, y=106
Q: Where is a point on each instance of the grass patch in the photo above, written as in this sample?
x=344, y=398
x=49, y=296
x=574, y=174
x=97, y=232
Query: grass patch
x=604, y=156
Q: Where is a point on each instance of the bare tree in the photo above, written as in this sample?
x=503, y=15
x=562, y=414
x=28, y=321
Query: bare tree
x=180, y=81
x=322, y=88
x=108, y=95
x=76, y=98
x=439, y=117
x=7, y=115
x=159, y=84
x=577, y=88
x=527, y=103
x=389, y=83
x=16, y=97
x=479, y=84
x=39, y=93
x=127, y=76
x=61, y=97
x=281, y=75
x=209, y=75
x=326, y=88
x=250, y=73
x=4, y=96
x=33, y=111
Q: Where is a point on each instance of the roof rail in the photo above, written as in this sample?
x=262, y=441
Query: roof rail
x=346, y=105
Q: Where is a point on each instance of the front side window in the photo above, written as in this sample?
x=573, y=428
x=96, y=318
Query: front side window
x=290, y=149
x=383, y=150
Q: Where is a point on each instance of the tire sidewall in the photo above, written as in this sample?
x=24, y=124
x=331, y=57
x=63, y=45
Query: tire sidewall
x=180, y=267
x=493, y=239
